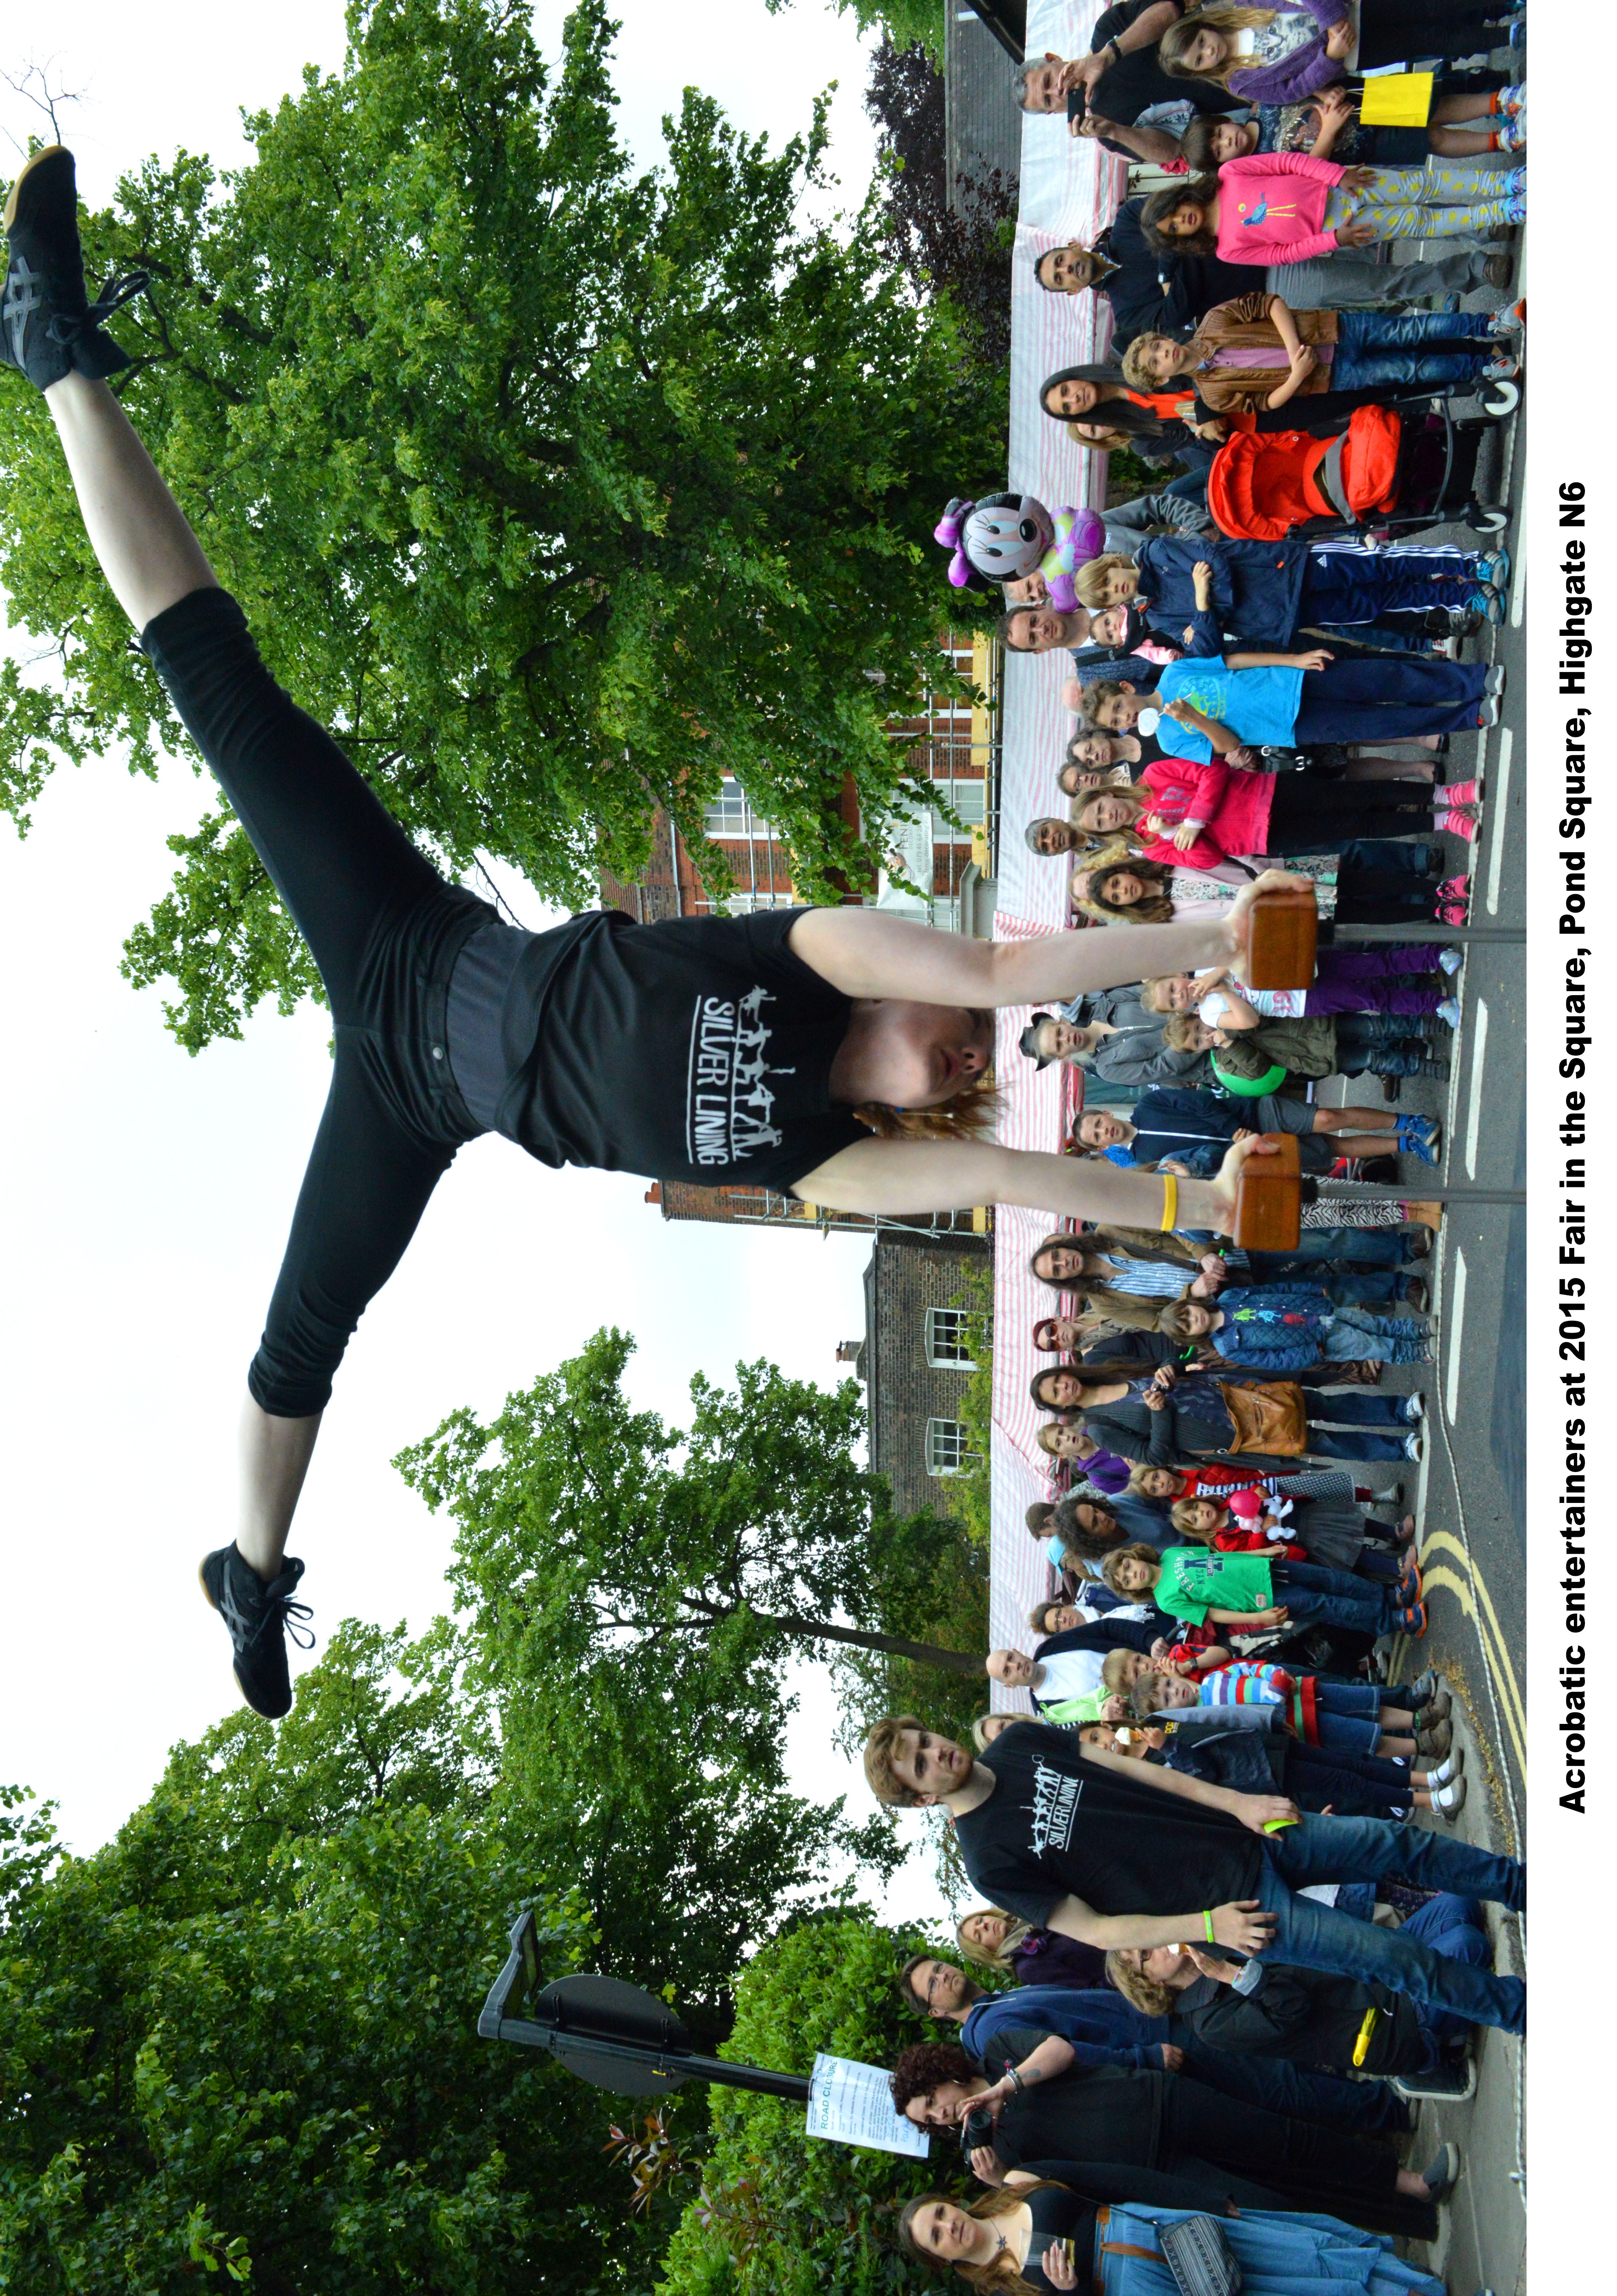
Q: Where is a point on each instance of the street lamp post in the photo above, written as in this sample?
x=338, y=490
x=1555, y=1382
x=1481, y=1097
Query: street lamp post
x=612, y=2035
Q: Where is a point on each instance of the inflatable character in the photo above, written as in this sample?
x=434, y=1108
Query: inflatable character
x=1005, y=538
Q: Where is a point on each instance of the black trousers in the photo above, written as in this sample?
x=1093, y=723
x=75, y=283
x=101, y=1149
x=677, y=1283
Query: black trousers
x=1304, y=804
x=1385, y=897
x=384, y=929
x=1397, y=34
x=1316, y=2168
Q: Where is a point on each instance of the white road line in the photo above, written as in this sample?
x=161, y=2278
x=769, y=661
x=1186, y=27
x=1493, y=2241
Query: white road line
x=1473, y=1098
x=1498, y=796
x=1454, y=1331
x=1518, y=589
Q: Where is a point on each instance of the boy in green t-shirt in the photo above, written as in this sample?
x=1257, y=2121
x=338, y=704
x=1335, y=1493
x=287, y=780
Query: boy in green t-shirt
x=1203, y=1587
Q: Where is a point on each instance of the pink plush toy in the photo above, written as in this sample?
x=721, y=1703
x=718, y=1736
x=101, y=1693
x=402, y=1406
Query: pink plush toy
x=1002, y=537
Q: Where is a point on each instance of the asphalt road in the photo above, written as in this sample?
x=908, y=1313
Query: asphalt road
x=1469, y=1491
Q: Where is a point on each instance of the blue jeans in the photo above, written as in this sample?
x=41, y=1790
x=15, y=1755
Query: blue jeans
x=1355, y=1337
x=1380, y=347
x=1361, y=1849
x=1451, y=1926
x=1331, y=1598
x=1388, y=699
x=1362, y=2108
x=1350, y=1246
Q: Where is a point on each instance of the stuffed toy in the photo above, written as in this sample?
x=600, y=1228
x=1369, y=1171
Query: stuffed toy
x=1002, y=537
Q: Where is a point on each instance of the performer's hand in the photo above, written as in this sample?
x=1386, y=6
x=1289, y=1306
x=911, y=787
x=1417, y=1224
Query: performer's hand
x=1239, y=923
x=1227, y=1180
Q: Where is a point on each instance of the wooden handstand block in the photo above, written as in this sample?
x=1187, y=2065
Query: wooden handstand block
x=1285, y=930
x=1268, y=1199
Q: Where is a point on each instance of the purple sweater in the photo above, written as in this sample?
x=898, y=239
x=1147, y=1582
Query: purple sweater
x=1304, y=70
x=1045, y=1958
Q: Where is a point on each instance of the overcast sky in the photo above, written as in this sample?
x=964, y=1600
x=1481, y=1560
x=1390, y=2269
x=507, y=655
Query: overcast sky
x=149, y=1193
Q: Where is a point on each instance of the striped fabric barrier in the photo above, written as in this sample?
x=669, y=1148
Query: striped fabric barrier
x=1068, y=190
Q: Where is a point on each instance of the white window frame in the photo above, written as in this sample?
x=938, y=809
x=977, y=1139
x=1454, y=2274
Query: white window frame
x=955, y=1321
x=944, y=1436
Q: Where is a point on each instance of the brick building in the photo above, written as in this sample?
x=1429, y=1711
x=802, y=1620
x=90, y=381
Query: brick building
x=914, y=1360
x=949, y=863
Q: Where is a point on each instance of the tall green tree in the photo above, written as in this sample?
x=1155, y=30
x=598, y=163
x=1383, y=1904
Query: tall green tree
x=633, y=1594
x=239, y=2045
x=559, y=492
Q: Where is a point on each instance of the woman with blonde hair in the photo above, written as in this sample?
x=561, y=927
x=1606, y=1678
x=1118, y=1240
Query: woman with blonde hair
x=1025, y=1951
x=1283, y=54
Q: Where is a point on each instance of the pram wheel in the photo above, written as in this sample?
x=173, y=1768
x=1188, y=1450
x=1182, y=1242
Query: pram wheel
x=1500, y=399
x=1482, y=519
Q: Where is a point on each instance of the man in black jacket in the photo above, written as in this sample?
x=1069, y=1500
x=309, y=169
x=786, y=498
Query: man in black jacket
x=1171, y=295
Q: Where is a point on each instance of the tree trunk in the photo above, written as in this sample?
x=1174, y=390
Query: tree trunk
x=819, y=1630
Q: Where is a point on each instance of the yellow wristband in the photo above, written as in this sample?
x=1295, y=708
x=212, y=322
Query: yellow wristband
x=1207, y=1925
x=1170, y=1201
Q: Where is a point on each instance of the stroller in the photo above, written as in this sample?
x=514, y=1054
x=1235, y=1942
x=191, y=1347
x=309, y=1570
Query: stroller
x=1386, y=473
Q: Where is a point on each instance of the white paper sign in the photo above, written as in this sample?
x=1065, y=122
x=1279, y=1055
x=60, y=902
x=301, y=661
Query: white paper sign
x=850, y=2104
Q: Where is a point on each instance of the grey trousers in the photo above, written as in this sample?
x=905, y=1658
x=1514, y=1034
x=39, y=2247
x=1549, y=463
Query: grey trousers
x=1345, y=283
x=1130, y=519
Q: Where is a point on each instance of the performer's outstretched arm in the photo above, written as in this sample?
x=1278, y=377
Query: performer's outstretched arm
x=865, y=953
x=942, y=1176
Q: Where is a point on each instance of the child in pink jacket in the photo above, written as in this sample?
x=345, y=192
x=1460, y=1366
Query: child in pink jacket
x=1288, y=206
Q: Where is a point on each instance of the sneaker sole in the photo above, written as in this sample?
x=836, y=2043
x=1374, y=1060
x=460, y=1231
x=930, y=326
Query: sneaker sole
x=51, y=151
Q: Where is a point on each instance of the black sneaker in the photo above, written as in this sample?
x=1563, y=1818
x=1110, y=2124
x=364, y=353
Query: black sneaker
x=259, y=1618
x=48, y=325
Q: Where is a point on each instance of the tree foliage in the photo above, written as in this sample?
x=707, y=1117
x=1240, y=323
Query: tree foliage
x=633, y=1594
x=241, y=2040
x=958, y=245
x=557, y=492
x=905, y=23
x=780, y=2212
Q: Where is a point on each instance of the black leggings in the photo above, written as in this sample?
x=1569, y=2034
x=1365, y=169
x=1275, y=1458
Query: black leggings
x=384, y=929
x=1385, y=897
x=1304, y=803
x=1316, y=2168
x=1391, y=34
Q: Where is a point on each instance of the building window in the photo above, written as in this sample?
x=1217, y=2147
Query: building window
x=968, y=798
x=731, y=815
x=948, y=1447
x=947, y=1339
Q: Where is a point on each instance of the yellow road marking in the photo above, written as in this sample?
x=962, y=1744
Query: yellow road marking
x=1494, y=1653
x=1446, y=1540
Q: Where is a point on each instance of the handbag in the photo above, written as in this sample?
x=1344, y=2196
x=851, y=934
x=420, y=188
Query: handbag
x=1200, y=2257
x=1268, y=1417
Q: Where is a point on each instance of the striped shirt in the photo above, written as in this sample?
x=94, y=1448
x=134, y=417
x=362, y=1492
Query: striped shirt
x=1241, y=1684
x=1155, y=1279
